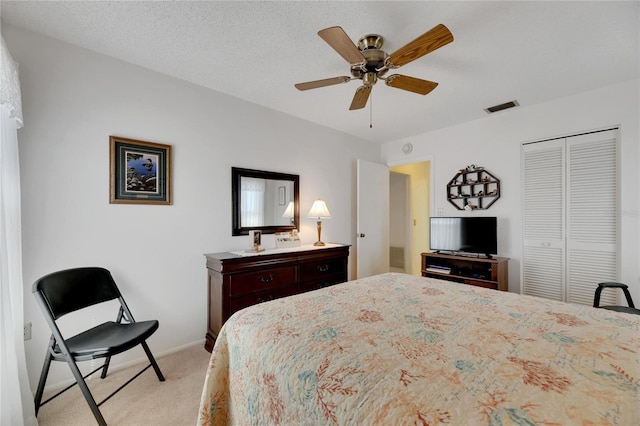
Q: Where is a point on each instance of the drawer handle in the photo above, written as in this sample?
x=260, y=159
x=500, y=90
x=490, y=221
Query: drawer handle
x=323, y=268
x=267, y=279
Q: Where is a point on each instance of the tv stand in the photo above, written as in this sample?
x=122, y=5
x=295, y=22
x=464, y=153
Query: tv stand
x=488, y=272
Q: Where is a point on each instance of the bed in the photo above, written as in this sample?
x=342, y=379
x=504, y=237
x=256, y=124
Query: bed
x=401, y=349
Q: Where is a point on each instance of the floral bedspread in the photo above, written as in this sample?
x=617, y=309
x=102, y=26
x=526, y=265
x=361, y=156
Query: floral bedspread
x=398, y=349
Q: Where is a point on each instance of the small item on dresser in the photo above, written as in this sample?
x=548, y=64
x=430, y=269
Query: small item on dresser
x=287, y=239
x=256, y=238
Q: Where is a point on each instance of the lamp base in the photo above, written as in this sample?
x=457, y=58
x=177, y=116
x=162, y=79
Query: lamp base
x=319, y=242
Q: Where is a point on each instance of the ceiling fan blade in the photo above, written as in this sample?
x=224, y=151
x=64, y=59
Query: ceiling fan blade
x=322, y=83
x=433, y=39
x=412, y=84
x=341, y=43
x=360, y=98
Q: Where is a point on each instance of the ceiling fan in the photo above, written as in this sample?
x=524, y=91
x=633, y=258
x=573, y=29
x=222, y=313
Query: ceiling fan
x=369, y=63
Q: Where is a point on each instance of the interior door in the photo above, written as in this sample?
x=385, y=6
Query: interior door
x=592, y=233
x=570, y=229
x=543, y=219
x=372, y=255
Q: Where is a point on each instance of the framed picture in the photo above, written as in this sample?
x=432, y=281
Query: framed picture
x=256, y=237
x=140, y=172
x=282, y=195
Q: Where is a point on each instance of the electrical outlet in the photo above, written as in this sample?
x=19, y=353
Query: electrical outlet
x=27, y=331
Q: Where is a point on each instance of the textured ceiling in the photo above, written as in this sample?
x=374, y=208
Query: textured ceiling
x=256, y=51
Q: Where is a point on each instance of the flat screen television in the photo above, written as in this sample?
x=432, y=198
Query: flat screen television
x=477, y=235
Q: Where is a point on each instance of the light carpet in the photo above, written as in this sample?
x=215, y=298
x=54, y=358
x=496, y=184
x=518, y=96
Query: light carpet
x=145, y=401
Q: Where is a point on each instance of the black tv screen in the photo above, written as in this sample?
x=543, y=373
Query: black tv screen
x=464, y=234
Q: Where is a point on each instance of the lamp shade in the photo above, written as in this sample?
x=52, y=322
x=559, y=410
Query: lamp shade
x=289, y=211
x=319, y=210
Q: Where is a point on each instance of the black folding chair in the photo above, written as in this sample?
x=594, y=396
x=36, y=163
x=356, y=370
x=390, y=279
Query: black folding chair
x=70, y=290
x=631, y=309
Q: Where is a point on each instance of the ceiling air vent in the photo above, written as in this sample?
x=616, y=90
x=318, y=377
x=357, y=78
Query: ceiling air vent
x=500, y=107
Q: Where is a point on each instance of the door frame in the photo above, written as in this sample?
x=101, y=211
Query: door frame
x=432, y=208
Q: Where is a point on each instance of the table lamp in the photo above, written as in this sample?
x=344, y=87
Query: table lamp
x=320, y=211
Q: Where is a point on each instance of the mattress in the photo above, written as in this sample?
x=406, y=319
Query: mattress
x=401, y=349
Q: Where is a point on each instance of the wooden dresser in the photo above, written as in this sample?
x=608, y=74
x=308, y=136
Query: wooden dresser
x=237, y=280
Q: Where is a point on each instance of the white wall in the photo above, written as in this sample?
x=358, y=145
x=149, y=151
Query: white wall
x=73, y=99
x=494, y=142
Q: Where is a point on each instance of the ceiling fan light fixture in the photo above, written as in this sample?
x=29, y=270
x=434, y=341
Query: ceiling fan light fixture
x=369, y=79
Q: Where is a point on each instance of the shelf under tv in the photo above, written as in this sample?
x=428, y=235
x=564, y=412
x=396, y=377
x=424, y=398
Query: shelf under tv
x=488, y=272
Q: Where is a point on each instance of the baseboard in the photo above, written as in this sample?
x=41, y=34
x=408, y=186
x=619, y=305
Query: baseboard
x=176, y=349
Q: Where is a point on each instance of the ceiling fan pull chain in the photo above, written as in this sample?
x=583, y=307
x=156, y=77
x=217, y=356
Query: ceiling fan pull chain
x=371, y=112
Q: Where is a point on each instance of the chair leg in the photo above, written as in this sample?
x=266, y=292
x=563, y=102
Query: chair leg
x=627, y=296
x=86, y=392
x=153, y=362
x=105, y=367
x=596, y=298
x=43, y=379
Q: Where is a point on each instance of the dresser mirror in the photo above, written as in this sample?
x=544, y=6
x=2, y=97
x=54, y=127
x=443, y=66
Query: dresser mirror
x=264, y=201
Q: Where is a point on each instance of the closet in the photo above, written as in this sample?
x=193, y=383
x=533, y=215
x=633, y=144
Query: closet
x=570, y=216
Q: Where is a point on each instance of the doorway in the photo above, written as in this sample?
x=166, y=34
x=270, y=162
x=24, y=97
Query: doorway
x=376, y=202
x=410, y=210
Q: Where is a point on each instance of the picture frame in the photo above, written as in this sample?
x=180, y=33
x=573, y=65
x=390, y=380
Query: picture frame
x=139, y=172
x=256, y=238
x=282, y=195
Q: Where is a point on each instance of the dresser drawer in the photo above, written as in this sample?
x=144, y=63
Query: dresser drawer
x=262, y=280
x=238, y=303
x=317, y=270
x=322, y=283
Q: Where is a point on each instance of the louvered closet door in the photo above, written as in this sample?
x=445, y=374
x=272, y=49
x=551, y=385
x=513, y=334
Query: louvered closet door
x=543, y=219
x=570, y=225
x=592, y=220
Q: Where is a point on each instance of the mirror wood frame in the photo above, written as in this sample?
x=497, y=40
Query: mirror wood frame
x=236, y=175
